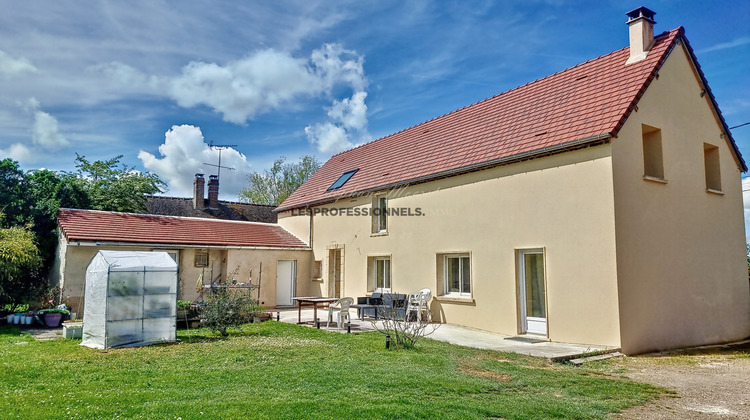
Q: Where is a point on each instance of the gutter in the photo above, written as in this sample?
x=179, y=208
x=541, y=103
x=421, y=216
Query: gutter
x=181, y=246
x=550, y=150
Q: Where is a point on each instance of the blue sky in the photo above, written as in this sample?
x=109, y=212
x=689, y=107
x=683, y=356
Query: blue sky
x=156, y=81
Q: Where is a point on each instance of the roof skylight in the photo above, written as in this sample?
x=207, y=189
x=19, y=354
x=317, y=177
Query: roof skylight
x=342, y=180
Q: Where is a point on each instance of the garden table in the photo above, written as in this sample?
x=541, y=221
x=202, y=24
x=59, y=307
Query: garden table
x=314, y=302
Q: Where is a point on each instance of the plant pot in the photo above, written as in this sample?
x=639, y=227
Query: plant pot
x=53, y=319
x=73, y=330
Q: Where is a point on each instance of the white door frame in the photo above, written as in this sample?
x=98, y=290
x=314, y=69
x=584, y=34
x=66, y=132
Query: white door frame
x=335, y=270
x=529, y=324
x=282, y=283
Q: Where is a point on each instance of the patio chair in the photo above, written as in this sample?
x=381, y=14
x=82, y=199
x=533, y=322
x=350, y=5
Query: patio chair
x=341, y=309
x=418, y=303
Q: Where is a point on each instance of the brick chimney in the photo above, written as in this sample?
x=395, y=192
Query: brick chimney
x=213, y=192
x=641, y=23
x=198, y=190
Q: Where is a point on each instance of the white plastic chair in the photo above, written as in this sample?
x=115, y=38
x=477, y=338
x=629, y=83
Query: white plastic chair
x=341, y=308
x=417, y=303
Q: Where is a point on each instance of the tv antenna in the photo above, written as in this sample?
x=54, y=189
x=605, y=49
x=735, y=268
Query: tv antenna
x=219, y=147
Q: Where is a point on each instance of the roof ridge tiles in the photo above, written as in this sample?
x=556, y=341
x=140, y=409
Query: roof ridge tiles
x=169, y=197
x=201, y=219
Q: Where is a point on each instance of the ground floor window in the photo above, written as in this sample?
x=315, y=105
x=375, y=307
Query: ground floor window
x=379, y=276
x=456, y=274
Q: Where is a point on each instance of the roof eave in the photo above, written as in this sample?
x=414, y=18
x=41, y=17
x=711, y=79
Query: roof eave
x=533, y=154
x=162, y=245
x=726, y=132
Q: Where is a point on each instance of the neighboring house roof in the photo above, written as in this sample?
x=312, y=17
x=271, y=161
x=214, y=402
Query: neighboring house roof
x=103, y=226
x=179, y=206
x=576, y=107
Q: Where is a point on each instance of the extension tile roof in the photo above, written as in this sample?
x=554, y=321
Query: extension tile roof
x=103, y=226
x=228, y=210
x=586, y=103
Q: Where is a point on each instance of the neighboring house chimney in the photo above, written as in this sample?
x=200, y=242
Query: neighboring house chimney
x=198, y=190
x=641, y=23
x=213, y=192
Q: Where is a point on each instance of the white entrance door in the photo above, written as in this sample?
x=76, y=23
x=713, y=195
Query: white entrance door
x=286, y=273
x=532, y=291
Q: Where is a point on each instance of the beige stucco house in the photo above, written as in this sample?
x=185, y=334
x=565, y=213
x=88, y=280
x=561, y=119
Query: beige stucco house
x=206, y=251
x=599, y=205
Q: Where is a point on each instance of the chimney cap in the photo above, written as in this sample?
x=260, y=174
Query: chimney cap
x=199, y=175
x=213, y=177
x=641, y=12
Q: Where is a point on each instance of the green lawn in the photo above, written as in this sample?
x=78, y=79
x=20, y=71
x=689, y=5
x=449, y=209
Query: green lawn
x=278, y=370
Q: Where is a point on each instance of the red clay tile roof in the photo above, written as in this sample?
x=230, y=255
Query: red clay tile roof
x=103, y=226
x=588, y=102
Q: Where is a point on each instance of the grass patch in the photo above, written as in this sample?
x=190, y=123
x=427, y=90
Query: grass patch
x=277, y=370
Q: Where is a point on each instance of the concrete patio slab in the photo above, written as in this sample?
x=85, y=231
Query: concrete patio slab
x=463, y=336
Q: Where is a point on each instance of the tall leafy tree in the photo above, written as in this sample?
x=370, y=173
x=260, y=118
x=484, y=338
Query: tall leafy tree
x=114, y=187
x=274, y=185
x=47, y=193
x=13, y=197
x=20, y=277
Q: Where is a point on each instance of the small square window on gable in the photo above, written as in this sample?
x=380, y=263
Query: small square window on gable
x=653, y=162
x=713, y=168
x=342, y=180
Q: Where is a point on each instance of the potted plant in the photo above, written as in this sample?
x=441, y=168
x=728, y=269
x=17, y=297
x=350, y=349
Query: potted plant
x=53, y=316
x=183, y=309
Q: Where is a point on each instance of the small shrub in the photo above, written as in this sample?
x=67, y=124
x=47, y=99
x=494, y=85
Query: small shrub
x=224, y=310
x=403, y=333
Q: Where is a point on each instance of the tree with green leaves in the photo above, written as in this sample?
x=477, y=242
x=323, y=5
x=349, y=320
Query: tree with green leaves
x=274, y=185
x=20, y=264
x=13, y=194
x=30, y=202
x=112, y=187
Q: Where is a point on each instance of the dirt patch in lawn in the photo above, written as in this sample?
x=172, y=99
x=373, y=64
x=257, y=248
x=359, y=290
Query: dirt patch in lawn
x=711, y=383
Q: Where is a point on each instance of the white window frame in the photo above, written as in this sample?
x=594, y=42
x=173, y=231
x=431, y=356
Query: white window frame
x=446, y=274
x=386, y=276
x=383, y=216
x=379, y=215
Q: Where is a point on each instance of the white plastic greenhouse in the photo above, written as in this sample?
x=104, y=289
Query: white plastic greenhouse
x=130, y=299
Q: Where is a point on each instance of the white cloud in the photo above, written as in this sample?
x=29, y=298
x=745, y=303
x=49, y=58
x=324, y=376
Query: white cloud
x=185, y=153
x=738, y=42
x=18, y=152
x=124, y=74
x=45, y=131
x=351, y=112
x=11, y=67
x=265, y=81
x=240, y=90
x=334, y=65
x=328, y=137
x=349, y=120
